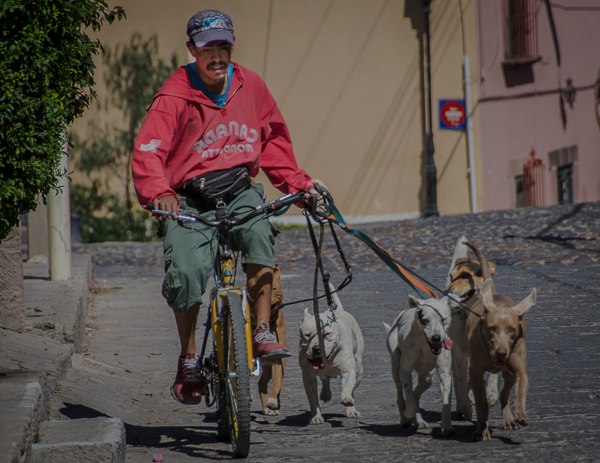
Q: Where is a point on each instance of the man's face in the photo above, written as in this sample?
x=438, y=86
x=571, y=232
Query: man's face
x=212, y=62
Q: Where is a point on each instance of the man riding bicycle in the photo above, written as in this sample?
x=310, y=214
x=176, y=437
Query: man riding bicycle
x=209, y=129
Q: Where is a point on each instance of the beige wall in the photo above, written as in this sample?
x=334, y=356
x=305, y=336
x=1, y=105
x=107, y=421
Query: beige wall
x=346, y=75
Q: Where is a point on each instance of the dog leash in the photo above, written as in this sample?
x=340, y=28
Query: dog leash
x=325, y=278
x=397, y=267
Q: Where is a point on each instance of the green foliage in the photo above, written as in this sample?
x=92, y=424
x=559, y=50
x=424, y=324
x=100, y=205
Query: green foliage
x=290, y=226
x=100, y=229
x=134, y=75
x=46, y=80
x=87, y=200
x=103, y=217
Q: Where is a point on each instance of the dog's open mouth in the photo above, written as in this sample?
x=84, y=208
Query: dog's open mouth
x=465, y=297
x=499, y=362
x=436, y=347
x=317, y=362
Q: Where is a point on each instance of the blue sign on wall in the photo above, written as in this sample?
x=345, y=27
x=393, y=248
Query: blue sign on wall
x=453, y=115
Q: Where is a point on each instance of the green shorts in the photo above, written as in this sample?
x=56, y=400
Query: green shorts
x=190, y=249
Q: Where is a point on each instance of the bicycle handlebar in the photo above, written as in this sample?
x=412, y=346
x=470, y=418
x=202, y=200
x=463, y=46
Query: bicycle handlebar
x=265, y=208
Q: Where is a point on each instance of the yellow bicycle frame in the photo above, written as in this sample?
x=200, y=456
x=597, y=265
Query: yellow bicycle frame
x=217, y=321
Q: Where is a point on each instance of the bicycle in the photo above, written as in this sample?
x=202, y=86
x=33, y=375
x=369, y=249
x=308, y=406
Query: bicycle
x=230, y=364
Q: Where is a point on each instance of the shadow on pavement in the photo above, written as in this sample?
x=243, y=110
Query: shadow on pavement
x=564, y=241
x=182, y=439
x=299, y=420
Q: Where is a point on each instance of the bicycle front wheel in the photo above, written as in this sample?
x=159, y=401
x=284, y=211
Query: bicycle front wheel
x=237, y=375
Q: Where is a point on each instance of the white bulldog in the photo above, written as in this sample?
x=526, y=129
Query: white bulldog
x=344, y=347
x=418, y=341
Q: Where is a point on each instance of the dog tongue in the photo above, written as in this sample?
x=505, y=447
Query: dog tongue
x=447, y=343
x=317, y=364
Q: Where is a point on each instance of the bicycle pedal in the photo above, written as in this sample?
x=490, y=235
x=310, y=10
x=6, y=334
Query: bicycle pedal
x=257, y=367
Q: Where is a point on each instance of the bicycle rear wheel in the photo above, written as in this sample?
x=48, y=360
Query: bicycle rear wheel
x=237, y=380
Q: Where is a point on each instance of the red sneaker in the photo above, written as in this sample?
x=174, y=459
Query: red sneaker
x=190, y=382
x=265, y=345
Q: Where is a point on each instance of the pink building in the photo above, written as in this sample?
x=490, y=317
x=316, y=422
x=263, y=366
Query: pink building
x=539, y=95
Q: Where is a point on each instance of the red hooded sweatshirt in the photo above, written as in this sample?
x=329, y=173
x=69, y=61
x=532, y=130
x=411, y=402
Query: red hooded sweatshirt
x=185, y=134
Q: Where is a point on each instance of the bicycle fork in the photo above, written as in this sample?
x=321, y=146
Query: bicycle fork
x=215, y=320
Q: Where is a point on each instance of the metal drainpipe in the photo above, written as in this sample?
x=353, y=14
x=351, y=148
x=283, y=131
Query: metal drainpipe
x=472, y=183
x=59, y=225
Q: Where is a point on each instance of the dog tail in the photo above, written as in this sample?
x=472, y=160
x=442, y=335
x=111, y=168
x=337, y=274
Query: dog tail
x=460, y=251
x=387, y=327
x=485, y=270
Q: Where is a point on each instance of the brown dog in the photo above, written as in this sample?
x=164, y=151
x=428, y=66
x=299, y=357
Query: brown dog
x=465, y=279
x=273, y=369
x=496, y=344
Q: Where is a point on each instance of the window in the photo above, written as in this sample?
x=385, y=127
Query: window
x=565, y=185
x=519, y=191
x=520, y=30
x=563, y=177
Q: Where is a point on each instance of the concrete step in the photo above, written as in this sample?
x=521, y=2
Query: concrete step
x=21, y=408
x=88, y=440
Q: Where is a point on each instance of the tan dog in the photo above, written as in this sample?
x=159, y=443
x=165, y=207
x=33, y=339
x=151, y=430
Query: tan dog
x=496, y=344
x=273, y=370
x=465, y=279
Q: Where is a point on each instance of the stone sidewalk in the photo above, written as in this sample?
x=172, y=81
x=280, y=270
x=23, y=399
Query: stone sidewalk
x=34, y=362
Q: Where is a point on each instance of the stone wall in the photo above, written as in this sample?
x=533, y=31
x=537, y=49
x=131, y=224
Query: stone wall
x=12, y=309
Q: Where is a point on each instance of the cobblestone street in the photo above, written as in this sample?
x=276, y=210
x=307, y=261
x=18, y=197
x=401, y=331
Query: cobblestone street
x=130, y=360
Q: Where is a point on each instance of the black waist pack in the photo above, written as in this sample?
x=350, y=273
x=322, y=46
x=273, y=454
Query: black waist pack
x=221, y=185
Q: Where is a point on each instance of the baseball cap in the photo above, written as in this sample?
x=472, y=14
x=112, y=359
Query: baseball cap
x=208, y=26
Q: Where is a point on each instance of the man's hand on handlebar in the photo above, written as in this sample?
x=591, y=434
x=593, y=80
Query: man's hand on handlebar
x=315, y=201
x=310, y=194
x=167, y=203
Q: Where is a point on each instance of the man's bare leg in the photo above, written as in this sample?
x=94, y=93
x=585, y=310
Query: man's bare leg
x=189, y=381
x=186, y=327
x=260, y=285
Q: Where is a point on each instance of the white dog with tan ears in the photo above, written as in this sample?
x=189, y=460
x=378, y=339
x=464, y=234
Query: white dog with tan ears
x=418, y=341
x=344, y=347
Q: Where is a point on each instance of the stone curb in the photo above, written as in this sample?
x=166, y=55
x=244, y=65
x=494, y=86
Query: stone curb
x=34, y=362
x=89, y=440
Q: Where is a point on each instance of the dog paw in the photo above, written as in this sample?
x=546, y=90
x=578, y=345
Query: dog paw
x=273, y=404
x=347, y=401
x=521, y=418
x=352, y=412
x=269, y=412
x=509, y=421
x=481, y=435
x=317, y=419
x=405, y=422
x=419, y=422
x=511, y=424
x=447, y=432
